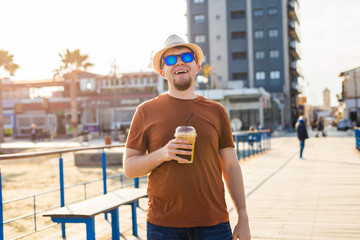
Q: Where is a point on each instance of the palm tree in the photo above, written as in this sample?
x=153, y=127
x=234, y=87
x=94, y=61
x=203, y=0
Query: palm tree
x=6, y=66
x=72, y=63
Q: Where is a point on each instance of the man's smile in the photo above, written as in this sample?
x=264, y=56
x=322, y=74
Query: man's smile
x=181, y=71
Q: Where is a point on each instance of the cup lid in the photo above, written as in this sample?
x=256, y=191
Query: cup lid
x=186, y=129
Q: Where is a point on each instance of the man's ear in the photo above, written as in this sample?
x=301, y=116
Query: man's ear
x=198, y=67
x=162, y=73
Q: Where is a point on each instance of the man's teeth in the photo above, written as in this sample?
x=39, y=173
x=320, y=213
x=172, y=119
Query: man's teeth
x=181, y=71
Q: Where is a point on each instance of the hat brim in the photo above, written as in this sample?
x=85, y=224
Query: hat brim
x=195, y=48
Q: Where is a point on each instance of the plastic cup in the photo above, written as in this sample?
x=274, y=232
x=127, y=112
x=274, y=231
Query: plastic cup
x=188, y=133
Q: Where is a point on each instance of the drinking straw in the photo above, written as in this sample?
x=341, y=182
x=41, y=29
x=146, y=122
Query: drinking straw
x=187, y=121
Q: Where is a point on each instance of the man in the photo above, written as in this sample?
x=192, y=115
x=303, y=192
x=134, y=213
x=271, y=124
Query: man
x=302, y=134
x=186, y=201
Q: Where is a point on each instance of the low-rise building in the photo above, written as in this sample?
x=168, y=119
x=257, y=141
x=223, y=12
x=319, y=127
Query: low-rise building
x=350, y=94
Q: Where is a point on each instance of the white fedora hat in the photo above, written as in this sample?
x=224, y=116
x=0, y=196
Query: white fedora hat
x=175, y=41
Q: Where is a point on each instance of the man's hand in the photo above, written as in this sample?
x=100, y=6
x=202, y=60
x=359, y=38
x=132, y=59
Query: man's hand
x=176, y=146
x=138, y=163
x=242, y=232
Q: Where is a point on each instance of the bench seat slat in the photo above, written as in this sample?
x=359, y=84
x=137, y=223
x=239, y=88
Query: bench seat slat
x=97, y=205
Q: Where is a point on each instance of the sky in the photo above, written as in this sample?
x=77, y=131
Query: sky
x=129, y=32
x=330, y=43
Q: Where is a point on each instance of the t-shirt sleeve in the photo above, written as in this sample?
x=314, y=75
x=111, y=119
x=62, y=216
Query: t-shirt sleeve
x=137, y=135
x=226, y=138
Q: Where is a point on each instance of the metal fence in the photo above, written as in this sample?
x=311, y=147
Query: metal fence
x=246, y=144
x=84, y=185
x=250, y=143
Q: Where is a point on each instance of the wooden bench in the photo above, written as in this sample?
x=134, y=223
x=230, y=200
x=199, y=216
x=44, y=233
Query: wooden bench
x=85, y=212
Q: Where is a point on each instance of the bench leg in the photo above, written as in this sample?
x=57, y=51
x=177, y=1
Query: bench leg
x=134, y=220
x=115, y=224
x=90, y=229
x=89, y=222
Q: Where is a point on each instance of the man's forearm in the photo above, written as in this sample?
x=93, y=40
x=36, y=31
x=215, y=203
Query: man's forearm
x=234, y=182
x=141, y=165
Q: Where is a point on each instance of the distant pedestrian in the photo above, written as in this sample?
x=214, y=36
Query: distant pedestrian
x=302, y=134
x=33, y=132
x=320, y=127
x=258, y=126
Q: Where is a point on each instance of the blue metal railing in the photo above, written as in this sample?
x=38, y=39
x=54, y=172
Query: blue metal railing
x=251, y=142
x=61, y=189
x=357, y=138
x=246, y=144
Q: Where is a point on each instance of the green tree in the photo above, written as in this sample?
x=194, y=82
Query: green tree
x=7, y=67
x=73, y=63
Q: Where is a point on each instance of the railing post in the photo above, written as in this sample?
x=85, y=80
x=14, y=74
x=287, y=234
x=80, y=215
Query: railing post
x=62, y=191
x=249, y=146
x=122, y=180
x=103, y=164
x=243, y=140
x=263, y=141
x=136, y=182
x=1, y=211
x=34, y=202
x=237, y=147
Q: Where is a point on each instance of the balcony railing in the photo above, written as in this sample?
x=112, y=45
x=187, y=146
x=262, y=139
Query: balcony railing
x=295, y=49
x=296, y=68
x=294, y=30
x=293, y=8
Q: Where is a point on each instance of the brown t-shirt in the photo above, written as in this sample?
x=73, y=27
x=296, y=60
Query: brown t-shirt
x=184, y=195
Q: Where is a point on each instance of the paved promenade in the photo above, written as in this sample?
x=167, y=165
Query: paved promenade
x=316, y=198
x=287, y=198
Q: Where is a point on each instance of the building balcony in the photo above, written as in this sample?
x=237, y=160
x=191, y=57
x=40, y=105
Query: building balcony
x=294, y=30
x=293, y=10
x=296, y=69
x=295, y=50
x=295, y=88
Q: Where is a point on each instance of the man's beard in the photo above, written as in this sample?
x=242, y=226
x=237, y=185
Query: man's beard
x=182, y=85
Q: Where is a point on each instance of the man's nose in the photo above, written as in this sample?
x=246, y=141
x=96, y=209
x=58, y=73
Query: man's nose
x=179, y=61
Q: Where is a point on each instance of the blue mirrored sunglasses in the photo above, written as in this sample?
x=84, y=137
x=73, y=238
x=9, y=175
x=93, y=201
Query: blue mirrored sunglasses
x=185, y=57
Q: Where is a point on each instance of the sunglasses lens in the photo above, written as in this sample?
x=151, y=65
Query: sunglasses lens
x=187, y=57
x=170, y=60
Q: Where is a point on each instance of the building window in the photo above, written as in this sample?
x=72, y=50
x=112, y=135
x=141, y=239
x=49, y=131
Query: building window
x=218, y=57
x=274, y=75
x=237, y=14
x=240, y=76
x=200, y=38
x=259, y=54
x=259, y=34
x=273, y=32
x=218, y=37
x=199, y=1
x=260, y=76
x=274, y=53
x=200, y=18
x=273, y=11
x=258, y=13
x=217, y=17
x=238, y=55
x=238, y=35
